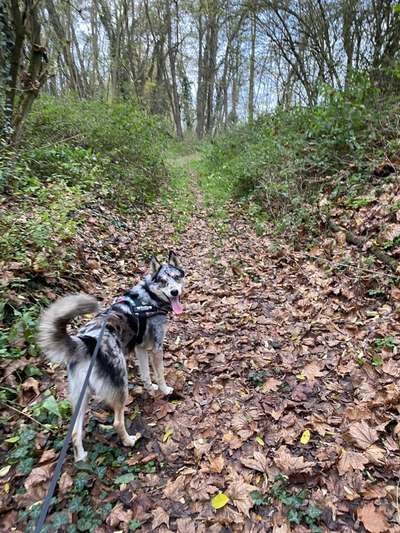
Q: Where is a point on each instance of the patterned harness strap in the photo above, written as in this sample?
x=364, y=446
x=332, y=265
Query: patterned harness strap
x=141, y=312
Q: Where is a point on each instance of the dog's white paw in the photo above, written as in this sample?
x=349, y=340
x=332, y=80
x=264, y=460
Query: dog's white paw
x=131, y=440
x=151, y=387
x=167, y=390
x=81, y=457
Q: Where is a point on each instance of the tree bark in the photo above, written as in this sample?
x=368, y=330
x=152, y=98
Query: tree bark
x=253, y=30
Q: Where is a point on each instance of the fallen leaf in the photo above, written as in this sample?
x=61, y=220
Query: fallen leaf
x=175, y=489
x=47, y=455
x=374, y=519
x=350, y=461
x=376, y=454
x=160, y=516
x=305, y=437
x=219, y=501
x=31, y=384
x=118, y=516
x=240, y=493
x=312, y=371
x=167, y=435
x=65, y=483
x=289, y=464
x=362, y=434
x=4, y=471
x=36, y=483
x=271, y=385
x=258, y=462
x=217, y=464
x=38, y=476
x=185, y=525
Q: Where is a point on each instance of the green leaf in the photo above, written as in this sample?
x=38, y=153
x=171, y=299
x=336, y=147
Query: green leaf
x=219, y=501
x=294, y=516
x=51, y=405
x=167, y=435
x=12, y=440
x=257, y=498
x=32, y=371
x=4, y=471
x=313, y=512
x=60, y=519
x=134, y=525
x=125, y=478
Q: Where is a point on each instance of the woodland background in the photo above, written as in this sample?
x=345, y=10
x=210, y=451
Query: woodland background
x=261, y=141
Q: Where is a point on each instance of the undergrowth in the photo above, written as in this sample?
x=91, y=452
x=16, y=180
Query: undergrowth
x=280, y=165
x=75, y=153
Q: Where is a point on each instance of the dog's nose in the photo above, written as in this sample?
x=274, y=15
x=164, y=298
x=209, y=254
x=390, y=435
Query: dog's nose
x=175, y=292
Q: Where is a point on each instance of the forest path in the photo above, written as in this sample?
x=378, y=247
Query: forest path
x=265, y=366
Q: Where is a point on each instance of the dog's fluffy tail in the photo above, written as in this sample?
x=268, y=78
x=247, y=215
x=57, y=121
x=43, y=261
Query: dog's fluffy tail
x=53, y=337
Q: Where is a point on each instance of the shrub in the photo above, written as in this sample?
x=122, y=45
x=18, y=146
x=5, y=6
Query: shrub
x=74, y=153
x=283, y=160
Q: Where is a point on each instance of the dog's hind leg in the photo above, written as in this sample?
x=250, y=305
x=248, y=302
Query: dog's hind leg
x=76, y=378
x=119, y=423
x=144, y=370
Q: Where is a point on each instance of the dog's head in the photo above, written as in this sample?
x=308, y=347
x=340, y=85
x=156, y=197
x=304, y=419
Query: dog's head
x=166, y=281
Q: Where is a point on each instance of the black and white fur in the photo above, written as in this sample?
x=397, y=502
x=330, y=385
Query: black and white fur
x=109, y=378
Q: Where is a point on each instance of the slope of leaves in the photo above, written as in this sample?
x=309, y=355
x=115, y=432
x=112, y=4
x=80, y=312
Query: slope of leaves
x=285, y=366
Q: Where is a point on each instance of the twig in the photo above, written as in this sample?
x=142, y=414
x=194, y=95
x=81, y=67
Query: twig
x=61, y=140
x=25, y=414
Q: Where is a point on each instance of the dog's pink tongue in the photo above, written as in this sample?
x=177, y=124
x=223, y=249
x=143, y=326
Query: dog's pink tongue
x=176, y=305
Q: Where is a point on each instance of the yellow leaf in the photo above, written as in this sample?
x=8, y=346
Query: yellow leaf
x=305, y=437
x=301, y=376
x=4, y=471
x=260, y=441
x=219, y=501
x=6, y=488
x=167, y=435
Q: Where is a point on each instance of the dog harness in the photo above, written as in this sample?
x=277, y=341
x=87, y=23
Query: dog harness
x=140, y=312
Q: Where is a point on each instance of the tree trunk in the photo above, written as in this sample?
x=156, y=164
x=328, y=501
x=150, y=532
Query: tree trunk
x=250, y=106
x=172, y=53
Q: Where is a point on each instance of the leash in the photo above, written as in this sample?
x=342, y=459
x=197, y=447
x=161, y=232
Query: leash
x=61, y=458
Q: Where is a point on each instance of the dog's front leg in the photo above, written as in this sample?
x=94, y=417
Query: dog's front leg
x=157, y=362
x=144, y=370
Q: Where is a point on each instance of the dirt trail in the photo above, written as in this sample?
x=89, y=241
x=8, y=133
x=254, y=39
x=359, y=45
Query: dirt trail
x=265, y=363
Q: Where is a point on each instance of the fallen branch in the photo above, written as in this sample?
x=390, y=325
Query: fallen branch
x=351, y=238
x=8, y=406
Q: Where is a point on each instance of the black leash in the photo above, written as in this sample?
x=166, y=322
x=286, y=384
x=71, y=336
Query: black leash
x=61, y=458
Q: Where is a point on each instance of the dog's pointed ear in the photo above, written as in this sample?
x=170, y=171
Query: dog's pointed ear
x=154, y=266
x=173, y=259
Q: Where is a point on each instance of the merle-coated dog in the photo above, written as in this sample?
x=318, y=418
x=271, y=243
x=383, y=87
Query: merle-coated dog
x=135, y=322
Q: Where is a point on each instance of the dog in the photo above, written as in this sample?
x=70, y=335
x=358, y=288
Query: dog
x=136, y=322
